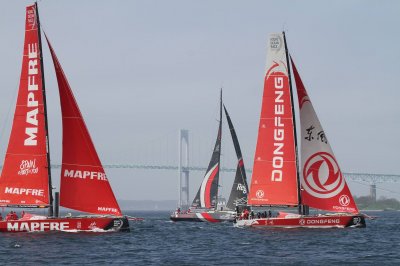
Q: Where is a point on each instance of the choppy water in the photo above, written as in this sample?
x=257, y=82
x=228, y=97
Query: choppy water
x=157, y=241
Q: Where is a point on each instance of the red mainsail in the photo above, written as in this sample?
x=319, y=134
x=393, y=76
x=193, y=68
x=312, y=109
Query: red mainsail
x=84, y=184
x=274, y=179
x=24, y=180
x=323, y=184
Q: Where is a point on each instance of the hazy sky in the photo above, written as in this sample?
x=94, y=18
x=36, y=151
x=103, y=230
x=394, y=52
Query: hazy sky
x=142, y=70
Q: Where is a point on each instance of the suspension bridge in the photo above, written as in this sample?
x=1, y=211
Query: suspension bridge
x=371, y=179
x=183, y=168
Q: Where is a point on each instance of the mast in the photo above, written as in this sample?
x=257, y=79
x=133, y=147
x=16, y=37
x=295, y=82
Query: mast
x=294, y=124
x=50, y=213
x=219, y=155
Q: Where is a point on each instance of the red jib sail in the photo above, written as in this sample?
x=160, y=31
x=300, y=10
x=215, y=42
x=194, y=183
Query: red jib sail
x=24, y=179
x=84, y=184
x=274, y=179
x=323, y=184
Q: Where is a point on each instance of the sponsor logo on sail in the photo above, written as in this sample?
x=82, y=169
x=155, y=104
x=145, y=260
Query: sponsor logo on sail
x=28, y=167
x=275, y=42
x=32, y=103
x=260, y=194
x=279, y=131
x=85, y=175
x=322, y=177
x=241, y=187
x=31, y=17
x=24, y=191
x=107, y=209
x=344, y=200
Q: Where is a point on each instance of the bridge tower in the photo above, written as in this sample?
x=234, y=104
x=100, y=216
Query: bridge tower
x=183, y=169
x=372, y=192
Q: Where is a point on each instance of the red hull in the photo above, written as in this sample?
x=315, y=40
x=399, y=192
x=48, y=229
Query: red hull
x=73, y=224
x=323, y=221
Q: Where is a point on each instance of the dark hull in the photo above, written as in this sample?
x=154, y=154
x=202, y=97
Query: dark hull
x=70, y=224
x=321, y=221
x=211, y=217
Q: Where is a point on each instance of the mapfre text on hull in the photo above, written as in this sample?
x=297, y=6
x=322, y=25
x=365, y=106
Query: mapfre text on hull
x=73, y=224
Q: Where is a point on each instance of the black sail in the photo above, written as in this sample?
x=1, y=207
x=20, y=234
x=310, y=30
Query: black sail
x=207, y=195
x=240, y=188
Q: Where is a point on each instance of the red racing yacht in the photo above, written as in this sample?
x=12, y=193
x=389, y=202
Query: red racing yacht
x=25, y=180
x=277, y=180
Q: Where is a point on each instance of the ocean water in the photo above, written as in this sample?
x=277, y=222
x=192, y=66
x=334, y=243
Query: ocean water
x=157, y=241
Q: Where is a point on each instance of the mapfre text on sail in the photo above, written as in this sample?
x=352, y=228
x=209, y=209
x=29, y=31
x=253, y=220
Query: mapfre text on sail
x=24, y=191
x=85, y=174
x=31, y=129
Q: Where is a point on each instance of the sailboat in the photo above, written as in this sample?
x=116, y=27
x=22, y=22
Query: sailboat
x=205, y=204
x=25, y=180
x=277, y=180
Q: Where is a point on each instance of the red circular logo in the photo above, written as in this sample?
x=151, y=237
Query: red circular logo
x=322, y=177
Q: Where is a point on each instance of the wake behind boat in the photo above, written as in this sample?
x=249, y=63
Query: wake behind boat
x=205, y=204
x=25, y=180
x=276, y=180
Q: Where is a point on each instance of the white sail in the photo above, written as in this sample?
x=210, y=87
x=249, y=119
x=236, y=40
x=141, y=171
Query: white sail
x=323, y=184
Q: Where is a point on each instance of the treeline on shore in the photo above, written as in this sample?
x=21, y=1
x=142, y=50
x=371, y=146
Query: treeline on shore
x=383, y=203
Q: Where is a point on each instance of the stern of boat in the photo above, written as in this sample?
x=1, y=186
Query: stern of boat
x=357, y=221
x=120, y=224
